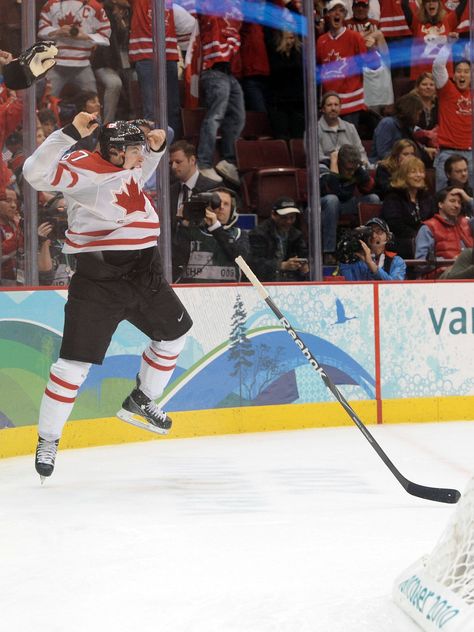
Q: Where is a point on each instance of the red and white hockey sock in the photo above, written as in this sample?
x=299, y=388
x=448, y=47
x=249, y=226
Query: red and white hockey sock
x=158, y=362
x=65, y=378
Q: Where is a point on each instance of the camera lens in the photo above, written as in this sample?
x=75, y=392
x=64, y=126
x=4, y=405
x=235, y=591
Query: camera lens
x=73, y=31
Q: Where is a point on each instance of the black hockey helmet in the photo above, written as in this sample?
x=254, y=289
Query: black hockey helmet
x=120, y=135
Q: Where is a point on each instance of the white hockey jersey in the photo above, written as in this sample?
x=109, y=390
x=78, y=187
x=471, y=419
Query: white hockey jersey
x=87, y=15
x=106, y=205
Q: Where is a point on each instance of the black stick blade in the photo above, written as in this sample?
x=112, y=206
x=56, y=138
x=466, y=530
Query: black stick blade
x=438, y=494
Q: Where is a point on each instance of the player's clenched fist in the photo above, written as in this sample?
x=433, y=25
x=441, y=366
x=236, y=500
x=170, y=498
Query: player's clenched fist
x=156, y=139
x=85, y=123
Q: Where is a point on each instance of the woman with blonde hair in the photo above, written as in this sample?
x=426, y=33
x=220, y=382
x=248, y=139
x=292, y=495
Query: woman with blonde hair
x=407, y=205
x=401, y=150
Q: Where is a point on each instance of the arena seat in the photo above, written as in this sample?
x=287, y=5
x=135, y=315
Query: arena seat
x=368, y=210
x=297, y=152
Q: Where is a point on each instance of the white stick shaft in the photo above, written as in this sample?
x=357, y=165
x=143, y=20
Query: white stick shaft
x=251, y=277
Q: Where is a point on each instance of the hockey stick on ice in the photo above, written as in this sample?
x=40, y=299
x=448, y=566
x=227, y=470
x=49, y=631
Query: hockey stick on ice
x=438, y=494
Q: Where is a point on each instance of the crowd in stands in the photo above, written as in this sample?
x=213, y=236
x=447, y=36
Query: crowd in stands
x=395, y=131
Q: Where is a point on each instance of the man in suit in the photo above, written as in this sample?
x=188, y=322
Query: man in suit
x=189, y=181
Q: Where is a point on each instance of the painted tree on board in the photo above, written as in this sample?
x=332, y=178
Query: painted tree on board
x=240, y=346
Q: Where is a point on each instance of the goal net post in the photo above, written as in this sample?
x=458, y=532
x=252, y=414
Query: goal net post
x=437, y=591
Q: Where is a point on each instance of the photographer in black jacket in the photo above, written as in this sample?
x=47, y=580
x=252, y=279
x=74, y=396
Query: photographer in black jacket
x=207, y=230
x=278, y=251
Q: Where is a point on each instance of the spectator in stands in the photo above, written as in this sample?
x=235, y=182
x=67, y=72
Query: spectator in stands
x=141, y=54
x=455, y=108
x=278, y=250
x=397, y=35
x=48, y=121
x=334, y=132
x=407, y=205
x=87, y=101
x=430, y=27
x=463, y=267
x=346, y=184
x=376, y=263
x=408, y=109
x=222, y=94
x=457, y=174
x=426, y=131
x=11, y=26
x=11, y=112
x=11, y=239
x=255, y=67
x=378, y=89
x=386, y=168
x=342, y=54
x=286, y=85
x=108, y=63
x=444, y=235
x=425, y=88
x=76, y=30
x=214, y=243
x=54, y=266
x=14, y=144
x=189, y=180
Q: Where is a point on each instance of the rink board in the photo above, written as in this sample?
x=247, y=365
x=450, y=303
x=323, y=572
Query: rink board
x=399, y=352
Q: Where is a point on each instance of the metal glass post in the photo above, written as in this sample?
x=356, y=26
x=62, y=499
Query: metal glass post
x=30, y=198
x=312, y=143
x=161, y=118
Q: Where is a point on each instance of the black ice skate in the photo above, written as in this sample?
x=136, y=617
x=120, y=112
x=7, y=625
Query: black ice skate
x=45, y=457
x=141, y=411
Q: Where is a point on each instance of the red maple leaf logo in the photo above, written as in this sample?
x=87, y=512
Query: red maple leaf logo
x=69, y=20
x=130, y=198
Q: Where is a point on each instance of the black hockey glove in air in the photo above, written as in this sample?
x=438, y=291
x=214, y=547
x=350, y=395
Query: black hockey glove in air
x=30, y=65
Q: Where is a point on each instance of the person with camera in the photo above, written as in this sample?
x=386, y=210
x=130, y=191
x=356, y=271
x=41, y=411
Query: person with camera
x=208, y=232
x=363, y=255
x=112, y=232
x=342, y=188
x=54, y=266
x=278, y=250
x=77, y=27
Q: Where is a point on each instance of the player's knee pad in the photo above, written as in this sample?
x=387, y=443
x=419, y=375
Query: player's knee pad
x=70, y=371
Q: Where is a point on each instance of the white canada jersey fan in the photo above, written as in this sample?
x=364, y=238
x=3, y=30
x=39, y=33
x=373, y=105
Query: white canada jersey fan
x=106, y=206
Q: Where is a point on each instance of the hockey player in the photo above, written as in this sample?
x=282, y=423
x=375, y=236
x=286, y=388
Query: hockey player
x=112, y=232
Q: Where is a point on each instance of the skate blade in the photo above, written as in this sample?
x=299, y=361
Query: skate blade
x=139, y=422
x=42, y=479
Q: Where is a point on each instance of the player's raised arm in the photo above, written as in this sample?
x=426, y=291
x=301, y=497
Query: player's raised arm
x=156, y=141
x=40, y=168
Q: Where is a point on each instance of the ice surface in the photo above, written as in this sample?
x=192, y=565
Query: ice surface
x=299, y=531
